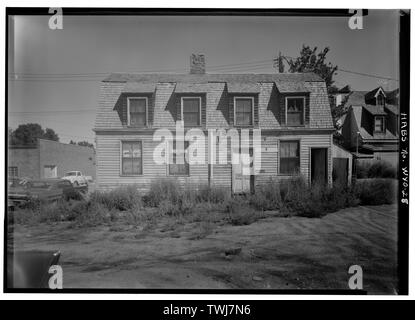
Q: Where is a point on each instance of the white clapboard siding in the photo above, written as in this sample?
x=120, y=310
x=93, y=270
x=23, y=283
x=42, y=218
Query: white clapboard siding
x=109, y=174
x=108, y=164
x=270, y=156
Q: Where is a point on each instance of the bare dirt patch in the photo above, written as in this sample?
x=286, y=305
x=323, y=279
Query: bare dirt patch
x=271, y=253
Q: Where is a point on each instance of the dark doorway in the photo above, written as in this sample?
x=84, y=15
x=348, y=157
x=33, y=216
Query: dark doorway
x=341, y=171
x=319, y=165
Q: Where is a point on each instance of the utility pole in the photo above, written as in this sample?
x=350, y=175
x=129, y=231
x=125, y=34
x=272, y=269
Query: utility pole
x=278, y=64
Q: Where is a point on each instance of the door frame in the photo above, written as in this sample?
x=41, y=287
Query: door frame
x=310, y=167
x=250, y=177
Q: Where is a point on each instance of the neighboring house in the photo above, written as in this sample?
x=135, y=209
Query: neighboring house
x=342, y=165
x=50, y=159
x=371, y=124
x=292, y=110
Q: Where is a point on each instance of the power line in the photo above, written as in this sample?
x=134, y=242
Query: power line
x=243, y=66
x=54, y=111
x=367, y=75
x=160, y=70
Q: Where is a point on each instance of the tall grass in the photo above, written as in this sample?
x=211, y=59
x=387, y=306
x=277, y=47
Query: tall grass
x=166, y=198
x=377, y=191
x=122, y=198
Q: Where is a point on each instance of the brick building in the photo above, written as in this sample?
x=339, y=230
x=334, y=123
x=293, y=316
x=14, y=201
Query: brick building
x=50, y=159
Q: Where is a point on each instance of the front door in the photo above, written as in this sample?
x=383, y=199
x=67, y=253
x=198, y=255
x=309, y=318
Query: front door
x=319, y=165
x=241, y=174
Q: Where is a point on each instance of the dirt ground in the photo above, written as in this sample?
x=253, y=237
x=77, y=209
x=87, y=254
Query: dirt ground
x=272, y=253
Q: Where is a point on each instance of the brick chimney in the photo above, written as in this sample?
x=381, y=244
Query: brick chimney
x=197, y=64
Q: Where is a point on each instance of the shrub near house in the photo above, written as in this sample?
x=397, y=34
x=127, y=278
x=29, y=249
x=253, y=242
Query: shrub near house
x=293, y=197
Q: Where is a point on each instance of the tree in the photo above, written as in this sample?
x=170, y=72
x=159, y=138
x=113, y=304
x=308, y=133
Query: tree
x=27, y=134
x=311, y=61
x=85, y=144
x=82, y=143
x=50, y=135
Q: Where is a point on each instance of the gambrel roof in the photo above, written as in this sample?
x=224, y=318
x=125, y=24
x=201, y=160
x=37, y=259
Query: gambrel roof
x=215, y=87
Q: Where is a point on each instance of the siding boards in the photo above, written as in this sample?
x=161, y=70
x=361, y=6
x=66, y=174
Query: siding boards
x=270, y=157
x=109, y=164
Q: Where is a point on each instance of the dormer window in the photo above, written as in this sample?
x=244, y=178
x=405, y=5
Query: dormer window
x=295, y=111
x=137, y=111
x=379, y=124
x=191, y=111
x=380, y=100
x=244, y=111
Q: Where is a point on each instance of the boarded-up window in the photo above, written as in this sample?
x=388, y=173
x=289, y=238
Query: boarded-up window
x=131, y=158
x=379, y=124
x=137, y=111
x=295, y=111
x=191, y=111
x=289, y=157
x=13, y=172
x=175, y=168
x=244, y=111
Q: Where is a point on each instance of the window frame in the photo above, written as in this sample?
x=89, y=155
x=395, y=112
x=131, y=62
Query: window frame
x=200, y=110
x=170, y=145
x=383, y=99
x=122, y=174
x=298, y=141
x=13, y=168
x=234, y=111
x=128, y=111
x=286, y=110
x=383, y=124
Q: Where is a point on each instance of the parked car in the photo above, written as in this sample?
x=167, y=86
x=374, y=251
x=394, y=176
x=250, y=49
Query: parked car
x=68, y=189
x=22, y=191
x=76, y=178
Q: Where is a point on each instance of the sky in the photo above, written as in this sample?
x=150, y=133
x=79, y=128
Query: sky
x=54, y=75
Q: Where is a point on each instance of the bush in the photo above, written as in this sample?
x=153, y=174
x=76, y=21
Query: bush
x=162, y=190
x=316, y=200
x=267, y=197
x=122, y=198
x=377, y=191
x=206, y=193
x=375, y=169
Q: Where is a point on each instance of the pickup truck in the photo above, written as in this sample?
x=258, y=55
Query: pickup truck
x=76, y=178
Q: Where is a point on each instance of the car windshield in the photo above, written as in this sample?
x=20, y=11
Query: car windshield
x=38, y=185
x=72, y=173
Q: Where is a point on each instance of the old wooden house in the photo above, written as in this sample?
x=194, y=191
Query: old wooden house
x=291, y=110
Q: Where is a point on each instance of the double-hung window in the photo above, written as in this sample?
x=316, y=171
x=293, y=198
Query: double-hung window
x=131, y=158
x=379, y=124
x=191, y=111
x=289, y=157
x=244, y=111
x=178, y=166
x=295, y=111
x=380, y=100
x=13, y=172
x=137, y=111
